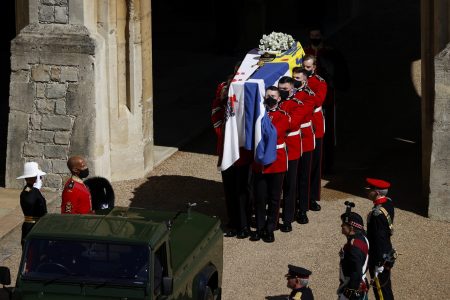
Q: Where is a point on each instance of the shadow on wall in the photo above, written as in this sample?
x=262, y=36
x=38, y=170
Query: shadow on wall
x=173, y=192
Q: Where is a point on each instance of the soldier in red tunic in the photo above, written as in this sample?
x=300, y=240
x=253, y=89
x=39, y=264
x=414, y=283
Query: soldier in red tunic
x=331, y=66
x=268, y=179
x=76, y=198
x=319, y=87
x=294, y=108
x=235, y=178
x=308, y=98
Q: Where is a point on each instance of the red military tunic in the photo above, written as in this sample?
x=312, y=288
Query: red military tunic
x=294, y=108
x=218, y=109
x=76, y=198
x=280, y=119
x=319, y=87
x=308, y=98
x=217, y=118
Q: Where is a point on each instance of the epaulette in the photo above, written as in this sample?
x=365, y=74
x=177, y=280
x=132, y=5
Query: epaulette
x=309, y=91
x=71, y=184
x=376, y=211
x=320, y=78
x=298, y=296
x=297, y=100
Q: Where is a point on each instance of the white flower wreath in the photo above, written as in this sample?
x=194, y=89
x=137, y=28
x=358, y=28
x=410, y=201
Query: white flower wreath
x=276, y=42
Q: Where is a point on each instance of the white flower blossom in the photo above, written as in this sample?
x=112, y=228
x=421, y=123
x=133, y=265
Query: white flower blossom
x=276, y=41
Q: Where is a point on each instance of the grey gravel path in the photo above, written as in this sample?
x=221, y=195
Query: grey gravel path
x=255, y=270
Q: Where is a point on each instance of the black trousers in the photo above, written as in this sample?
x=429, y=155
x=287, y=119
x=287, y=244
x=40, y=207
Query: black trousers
x=235, y=181
x=385, y=284
x=26, y=228
x=267, y=193
x=304, y=181
x=316, y=171
x=290, y=192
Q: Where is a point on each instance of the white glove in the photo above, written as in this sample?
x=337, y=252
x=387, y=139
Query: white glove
x=379, y=270
x=342, y=297
x=38, y=183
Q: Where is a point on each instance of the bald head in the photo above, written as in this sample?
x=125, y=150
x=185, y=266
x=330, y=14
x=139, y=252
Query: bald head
x=76, y=164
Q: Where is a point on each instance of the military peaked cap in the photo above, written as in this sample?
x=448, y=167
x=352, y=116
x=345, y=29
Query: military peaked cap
x=298, y=272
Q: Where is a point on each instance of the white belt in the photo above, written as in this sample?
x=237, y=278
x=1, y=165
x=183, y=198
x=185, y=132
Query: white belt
x=281, y=146
x=294, y=133
x=318, y=109
x=304, y=125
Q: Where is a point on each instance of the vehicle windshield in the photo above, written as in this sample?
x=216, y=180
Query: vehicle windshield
x=99, y=262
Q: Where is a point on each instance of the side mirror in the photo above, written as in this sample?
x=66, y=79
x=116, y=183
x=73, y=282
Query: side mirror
x=5, y=276
x=167, y=286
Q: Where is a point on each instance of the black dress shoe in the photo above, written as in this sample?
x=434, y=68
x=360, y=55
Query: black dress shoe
x=302, y=218
x=286, y=227
x=230, y=233
x=269, y=237
x=255, y=236
x=243, y=233
x=315, y=206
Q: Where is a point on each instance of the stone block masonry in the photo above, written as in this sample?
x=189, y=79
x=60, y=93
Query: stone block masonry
x=53, y=11
x=49, y=128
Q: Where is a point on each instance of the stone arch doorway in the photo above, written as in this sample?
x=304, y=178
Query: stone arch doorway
x=7, y=14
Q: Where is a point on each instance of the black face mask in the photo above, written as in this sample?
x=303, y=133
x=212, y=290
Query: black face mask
x=84, y=173
x=297, y=84
x=284, y=94
x=315, y=42
x=270, y=102
x=309, y=72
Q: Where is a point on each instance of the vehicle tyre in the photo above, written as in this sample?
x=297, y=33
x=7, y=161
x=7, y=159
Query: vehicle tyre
x=208, y=294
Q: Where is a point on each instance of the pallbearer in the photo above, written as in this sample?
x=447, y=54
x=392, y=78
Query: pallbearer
x=295, y=110
x=308, y=98
x=319, y=87
x=268, y=179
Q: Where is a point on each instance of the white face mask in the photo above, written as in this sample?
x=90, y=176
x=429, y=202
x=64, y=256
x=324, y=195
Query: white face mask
x=38, y=183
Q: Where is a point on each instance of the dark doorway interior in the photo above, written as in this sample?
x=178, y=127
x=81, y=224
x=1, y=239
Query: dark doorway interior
x=7, y=14
x=378, y=117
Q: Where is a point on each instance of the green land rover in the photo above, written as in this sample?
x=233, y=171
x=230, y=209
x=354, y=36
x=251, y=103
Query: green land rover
x=129, y=253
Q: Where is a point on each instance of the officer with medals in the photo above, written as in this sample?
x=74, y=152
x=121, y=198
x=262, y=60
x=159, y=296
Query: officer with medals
x=354, y=257
x=32, y=202
x=76, y=198
x=379, y=232
x=297, y=280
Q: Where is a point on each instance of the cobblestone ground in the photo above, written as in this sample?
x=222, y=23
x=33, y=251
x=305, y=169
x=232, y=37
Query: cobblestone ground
x=255, y=270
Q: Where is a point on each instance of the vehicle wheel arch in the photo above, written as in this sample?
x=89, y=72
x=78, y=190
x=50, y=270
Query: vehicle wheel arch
x=207, y=277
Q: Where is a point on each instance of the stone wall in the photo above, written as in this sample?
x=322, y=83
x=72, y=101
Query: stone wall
x=439, y=207
x=51, y=100
x=81, y=84
x=53, y=11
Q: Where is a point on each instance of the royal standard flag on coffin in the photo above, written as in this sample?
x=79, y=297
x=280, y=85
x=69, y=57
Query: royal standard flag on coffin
x=247, y=123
